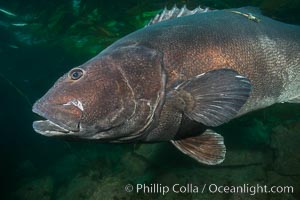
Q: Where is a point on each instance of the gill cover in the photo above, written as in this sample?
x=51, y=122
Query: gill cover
x=142, y=70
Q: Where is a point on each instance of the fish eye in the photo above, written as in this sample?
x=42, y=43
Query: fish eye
x=76, y=74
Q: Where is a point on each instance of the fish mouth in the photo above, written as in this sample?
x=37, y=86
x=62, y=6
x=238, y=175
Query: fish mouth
x=49, y=128
x=52, y=127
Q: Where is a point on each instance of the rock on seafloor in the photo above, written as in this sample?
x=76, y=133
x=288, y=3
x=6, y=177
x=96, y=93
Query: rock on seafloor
x=40, y=188
x=285, y=141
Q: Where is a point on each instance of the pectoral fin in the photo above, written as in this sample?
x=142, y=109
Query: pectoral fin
x=215, y=97
x=207, y=148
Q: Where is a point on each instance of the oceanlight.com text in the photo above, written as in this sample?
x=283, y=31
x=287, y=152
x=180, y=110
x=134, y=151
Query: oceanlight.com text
x=157, y=188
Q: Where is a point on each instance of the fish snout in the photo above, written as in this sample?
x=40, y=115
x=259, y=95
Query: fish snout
x=59, y=118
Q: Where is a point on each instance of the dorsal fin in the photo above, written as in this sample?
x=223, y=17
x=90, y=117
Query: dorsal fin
x=176, y=12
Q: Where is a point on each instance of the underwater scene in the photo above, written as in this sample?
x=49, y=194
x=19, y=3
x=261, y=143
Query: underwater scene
x=43, y=40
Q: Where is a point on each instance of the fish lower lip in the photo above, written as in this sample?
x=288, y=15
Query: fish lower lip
x=49, y=128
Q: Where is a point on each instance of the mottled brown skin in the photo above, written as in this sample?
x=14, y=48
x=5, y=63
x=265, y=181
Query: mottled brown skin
x=126, y=90
x=268, y=52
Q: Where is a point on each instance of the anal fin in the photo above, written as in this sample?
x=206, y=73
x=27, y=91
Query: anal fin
x=207, y=148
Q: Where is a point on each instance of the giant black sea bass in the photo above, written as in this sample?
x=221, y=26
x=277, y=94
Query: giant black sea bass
x=185, y=73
